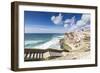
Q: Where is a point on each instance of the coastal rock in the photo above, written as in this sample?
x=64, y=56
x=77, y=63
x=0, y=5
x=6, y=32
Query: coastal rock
x=76, y=41
x=64, y=46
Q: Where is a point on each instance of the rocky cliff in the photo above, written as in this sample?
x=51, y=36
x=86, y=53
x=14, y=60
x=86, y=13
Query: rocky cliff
x=76, y=41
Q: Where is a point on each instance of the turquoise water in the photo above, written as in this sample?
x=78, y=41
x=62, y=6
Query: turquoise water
x=35, y=39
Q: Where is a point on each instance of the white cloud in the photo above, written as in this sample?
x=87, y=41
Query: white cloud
x=69, y=22
x=74, y=27
x=33, y=29
x=42, y=29
x=66, y=25
x=80, y=23
x=85, y=19
x=57, y=19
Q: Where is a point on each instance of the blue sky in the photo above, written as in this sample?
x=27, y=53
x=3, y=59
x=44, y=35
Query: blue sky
x=50, y=22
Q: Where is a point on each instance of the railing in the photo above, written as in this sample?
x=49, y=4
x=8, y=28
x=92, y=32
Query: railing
x=33, y=55
x=40, y=54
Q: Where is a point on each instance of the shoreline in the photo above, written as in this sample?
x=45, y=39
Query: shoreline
x=53, y=43
x=69, y=47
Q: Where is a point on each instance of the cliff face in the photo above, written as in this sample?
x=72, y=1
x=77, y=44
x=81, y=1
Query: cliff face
x=77, y=40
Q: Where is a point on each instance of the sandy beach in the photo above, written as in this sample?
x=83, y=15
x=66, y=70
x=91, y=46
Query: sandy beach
x=75, y=56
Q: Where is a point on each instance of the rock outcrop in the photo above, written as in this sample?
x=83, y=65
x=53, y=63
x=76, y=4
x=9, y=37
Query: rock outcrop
x=77, y=40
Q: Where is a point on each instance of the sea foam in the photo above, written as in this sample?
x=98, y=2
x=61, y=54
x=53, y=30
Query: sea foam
x=53, y=43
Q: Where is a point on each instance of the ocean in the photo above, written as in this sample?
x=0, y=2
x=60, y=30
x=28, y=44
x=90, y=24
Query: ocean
x=42, y=40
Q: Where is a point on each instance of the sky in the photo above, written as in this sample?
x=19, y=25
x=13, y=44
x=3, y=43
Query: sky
x=53, y=22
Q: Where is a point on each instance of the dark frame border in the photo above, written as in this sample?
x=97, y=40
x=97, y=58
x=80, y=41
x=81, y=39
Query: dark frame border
x=15, y=28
